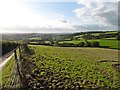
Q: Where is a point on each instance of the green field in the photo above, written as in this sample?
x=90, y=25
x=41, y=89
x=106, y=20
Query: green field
x=111, y=42
x=76, y=67
x=71, y=61
x=74, y=41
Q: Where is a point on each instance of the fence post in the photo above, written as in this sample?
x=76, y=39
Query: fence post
x=16, y=59
x=16, y=64
x=15, y=54
x=20, y=57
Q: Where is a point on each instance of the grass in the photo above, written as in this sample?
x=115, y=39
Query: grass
x=8, y=72
x=35, y=38
x=76, y=66
x=112, y=38
x=112, y=43
x=74, y=41
x=7, y=69
x=96, y=34
x=112, y=32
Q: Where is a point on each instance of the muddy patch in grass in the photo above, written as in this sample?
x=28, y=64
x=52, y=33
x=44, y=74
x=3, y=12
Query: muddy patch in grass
x=116, y=66
x=108, y=61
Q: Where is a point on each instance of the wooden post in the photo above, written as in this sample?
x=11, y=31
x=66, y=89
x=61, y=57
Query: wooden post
x=15, y=54
x=20, y=57
x=16, y=59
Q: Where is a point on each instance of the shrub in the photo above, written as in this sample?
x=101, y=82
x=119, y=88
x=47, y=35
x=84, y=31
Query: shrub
x=56, y=43
x=118, y=37
x=81, y=44
x=88, y=44
x=8, y=46
x=95, y=44
x=65, y=44
x=51, y=43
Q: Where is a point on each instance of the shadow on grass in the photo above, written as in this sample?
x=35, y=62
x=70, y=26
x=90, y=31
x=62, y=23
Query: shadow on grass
x=117, y=67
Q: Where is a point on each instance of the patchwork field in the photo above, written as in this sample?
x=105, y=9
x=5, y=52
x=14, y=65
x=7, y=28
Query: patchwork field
x=61, y=67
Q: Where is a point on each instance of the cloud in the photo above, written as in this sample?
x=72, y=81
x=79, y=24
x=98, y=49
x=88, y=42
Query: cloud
x=15, y=17
x=96, y=27
x=98, y=12
x=63, y=21
x=13, y=12
x=52, y=26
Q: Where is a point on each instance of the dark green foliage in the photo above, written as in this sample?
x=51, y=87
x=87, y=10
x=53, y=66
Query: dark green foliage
x=8, y=46
x=88, y=36
x=118, y=37
x=81, y=44
x=66, y=44
x=95, y=44
x=88, y=44
x=55, y=43
x=51, y=42
x=42, y=43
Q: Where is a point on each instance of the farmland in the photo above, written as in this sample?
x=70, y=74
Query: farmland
x=86, y=39
x=71, y=67
x=110, y=42
x=67, y=61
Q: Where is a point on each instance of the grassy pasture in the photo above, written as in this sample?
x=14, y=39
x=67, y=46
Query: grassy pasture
x=111, y=42
x=84, y=67
x=74, y=41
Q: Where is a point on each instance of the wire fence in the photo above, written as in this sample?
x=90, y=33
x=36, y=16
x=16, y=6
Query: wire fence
x=14, y=77
x=22, y=67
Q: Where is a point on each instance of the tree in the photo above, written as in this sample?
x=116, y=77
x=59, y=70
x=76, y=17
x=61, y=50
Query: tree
x=95, y=44
x=88, y=44
x=81, y=44
x=51, y=42
x=118, y=37
x=56, y=43
x=88, y=36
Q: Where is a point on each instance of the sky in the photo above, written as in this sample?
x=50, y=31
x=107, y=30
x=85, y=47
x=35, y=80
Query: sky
x=53, y=16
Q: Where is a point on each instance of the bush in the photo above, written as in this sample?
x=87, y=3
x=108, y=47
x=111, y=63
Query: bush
x=81, y=44
x=118, y=37
x=95, y=44
x=8, y=46
x=51, y=43
x=88, y=44
x=65, y=44
x=56, y=43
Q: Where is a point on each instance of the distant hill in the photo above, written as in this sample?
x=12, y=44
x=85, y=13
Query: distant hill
x=55, y=36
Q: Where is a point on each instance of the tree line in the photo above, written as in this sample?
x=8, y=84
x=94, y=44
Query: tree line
x=8, y=46
x=65, y=44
